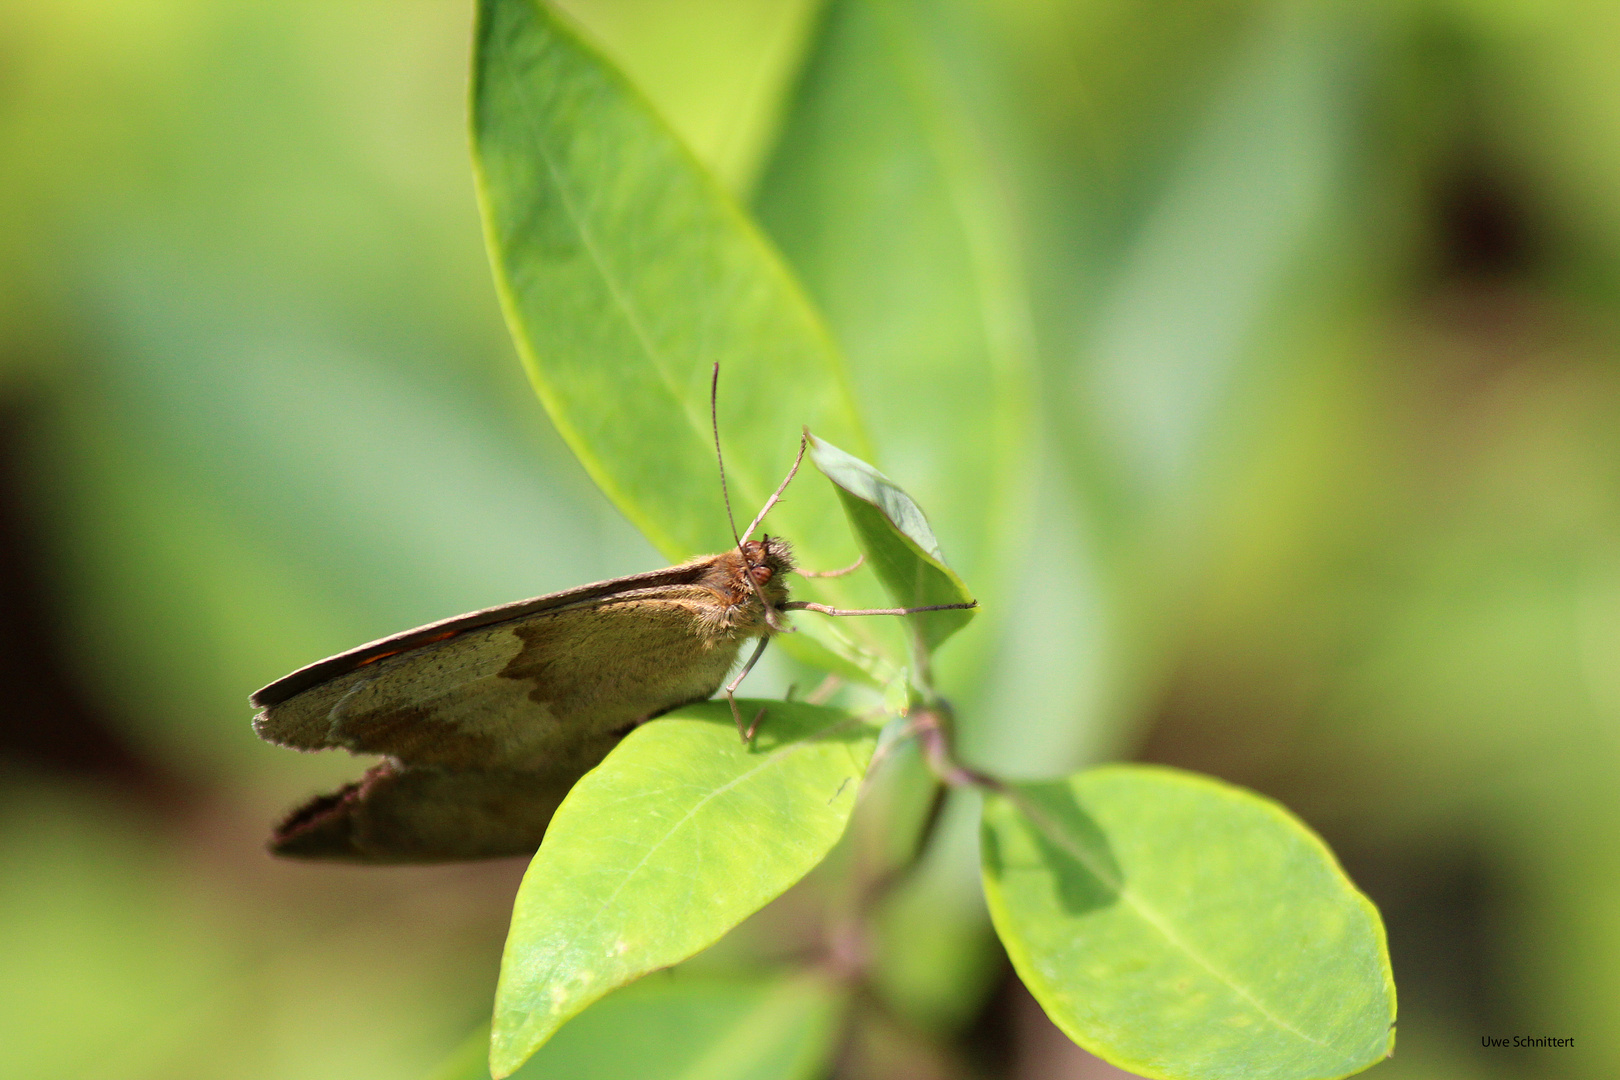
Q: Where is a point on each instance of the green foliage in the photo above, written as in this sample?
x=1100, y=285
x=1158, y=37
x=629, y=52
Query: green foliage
x=1182, y=927
x=677, y=837
x=890, y=192
x=1169, y=923
x=1159, y=310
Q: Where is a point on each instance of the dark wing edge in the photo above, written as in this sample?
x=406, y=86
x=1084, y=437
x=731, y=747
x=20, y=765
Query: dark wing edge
x=297, y=682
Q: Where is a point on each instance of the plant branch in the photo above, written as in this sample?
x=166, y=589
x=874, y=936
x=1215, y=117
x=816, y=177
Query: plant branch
x=932, y=726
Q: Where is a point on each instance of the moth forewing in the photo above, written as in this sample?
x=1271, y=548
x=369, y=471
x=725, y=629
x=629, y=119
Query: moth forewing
x=518, y=701
x=287, y=686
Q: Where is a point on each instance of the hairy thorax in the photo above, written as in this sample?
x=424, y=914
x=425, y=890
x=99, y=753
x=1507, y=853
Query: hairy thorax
x=739, y=580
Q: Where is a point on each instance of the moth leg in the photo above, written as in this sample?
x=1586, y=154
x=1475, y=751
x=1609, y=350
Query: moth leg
x=747, y=734
x=850, y=569
x=804, y=605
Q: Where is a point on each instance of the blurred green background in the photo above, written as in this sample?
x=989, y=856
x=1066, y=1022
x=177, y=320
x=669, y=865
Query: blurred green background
x=1313, y=307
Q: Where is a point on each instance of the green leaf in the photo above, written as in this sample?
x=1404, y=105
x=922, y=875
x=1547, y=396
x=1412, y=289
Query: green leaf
x=684, y=1028
x=679, y=835
x=626, y=273
x=898, y=543
x=1181, y=927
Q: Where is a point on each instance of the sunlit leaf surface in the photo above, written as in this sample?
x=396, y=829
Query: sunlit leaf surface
x=1184, y=928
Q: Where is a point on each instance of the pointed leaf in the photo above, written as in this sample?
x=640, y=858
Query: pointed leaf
x=1181, y=927
x=625, y=273
x=897, y=541
x=679, y=835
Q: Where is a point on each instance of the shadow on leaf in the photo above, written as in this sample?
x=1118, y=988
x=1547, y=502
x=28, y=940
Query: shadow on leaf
x=1072, y=846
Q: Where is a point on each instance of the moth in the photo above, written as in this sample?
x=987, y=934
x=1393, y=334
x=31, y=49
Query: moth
x=486, y=720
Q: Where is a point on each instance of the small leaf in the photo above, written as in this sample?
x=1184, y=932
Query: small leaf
x=1180, y=927
x=626, y=273
x=897, y=541
x=680, y=1027
x=679, y=835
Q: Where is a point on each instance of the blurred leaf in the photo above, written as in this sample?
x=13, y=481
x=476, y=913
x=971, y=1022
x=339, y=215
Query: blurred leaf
x=678, y=836
x=683, y=1028
x=937, y=960
x=715, y=70
x=626, y=273
x=1171, y=336
x=1183, y=348
x=889, y=193
x=898, y=543
x=358, y=464
x=893, y=193
x=1181, y=927
x=98, y=927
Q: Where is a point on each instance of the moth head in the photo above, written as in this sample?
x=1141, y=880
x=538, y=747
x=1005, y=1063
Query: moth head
x=765, y=564
x=768, y=558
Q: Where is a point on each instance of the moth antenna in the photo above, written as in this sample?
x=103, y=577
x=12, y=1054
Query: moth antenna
x=776, y=496
x=719, y=459
x=771, y=618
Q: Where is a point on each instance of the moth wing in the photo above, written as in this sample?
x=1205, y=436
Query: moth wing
x=297, y=682
x=398, y=814
x=533, y=693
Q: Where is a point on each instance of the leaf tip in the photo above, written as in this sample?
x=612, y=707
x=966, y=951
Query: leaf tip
x=513, y=1043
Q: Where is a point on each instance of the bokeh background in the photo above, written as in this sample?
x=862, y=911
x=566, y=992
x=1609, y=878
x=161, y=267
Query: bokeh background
x=1319, y=307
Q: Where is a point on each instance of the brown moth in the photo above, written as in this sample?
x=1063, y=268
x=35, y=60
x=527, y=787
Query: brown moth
x=486, y=720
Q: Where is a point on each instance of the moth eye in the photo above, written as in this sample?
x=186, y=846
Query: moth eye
x=761, y=574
